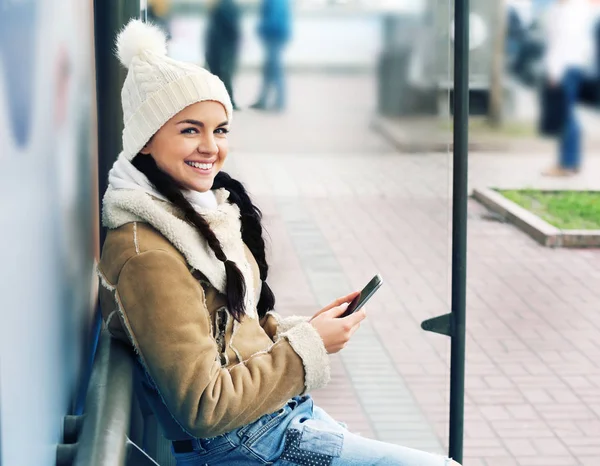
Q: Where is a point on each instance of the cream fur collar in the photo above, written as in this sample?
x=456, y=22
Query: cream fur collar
x=121, y=206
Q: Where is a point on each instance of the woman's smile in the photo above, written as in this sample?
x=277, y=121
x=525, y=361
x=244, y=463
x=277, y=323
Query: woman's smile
x=203, y=168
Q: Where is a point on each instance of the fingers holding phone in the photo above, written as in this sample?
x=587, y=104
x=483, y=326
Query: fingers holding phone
x=366, y=293
x=338, y=302
x=353, y=321
x=337, y=323
x=355, y=318
x=334, y=332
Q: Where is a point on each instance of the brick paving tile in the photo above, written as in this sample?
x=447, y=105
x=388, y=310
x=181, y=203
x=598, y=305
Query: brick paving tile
x=520, y=447
x=500, y=461
x=470, y=461
x=548, y=461
x=533, y=326
x=589, y=460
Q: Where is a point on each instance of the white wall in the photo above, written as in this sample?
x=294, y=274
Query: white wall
x=46, y=242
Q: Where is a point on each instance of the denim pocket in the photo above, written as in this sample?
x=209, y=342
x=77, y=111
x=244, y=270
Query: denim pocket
x=312, y=447
x=263, y=440
x=321, y=441
x=256, y=428
x=266, y=427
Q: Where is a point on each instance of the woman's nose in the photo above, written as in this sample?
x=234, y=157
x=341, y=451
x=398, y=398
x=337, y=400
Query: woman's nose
x=207, y=145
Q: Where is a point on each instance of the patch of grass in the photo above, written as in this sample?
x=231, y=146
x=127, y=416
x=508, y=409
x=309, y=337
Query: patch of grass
x=567, y=210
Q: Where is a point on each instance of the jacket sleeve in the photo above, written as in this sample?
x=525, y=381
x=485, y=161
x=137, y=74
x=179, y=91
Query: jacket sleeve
x=166, y=318
x=275, y=325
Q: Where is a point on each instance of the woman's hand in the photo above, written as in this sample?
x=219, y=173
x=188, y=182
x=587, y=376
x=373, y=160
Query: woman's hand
x=338, y=302
x=334, y=331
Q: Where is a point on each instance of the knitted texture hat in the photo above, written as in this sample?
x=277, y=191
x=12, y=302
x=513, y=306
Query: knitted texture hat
x=158, y=87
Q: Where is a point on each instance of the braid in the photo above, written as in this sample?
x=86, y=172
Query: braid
x=168, y=187
x=252, y=230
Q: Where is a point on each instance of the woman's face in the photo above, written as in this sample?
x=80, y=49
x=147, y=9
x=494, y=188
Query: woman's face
x=192, y=146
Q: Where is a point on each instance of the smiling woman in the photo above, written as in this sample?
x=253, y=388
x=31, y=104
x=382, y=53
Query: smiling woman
x=192, y=146
x=184, y=282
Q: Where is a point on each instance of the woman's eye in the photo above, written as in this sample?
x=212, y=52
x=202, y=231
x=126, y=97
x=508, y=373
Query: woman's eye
x=190, y=130
x=222, y=131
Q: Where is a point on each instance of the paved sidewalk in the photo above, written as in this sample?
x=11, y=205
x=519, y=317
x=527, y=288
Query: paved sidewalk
x=340, y=205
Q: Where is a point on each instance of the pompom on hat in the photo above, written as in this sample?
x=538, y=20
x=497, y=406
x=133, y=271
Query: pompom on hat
x=157, y=87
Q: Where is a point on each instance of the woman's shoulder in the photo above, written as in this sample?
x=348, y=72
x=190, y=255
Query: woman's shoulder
x=130, y=240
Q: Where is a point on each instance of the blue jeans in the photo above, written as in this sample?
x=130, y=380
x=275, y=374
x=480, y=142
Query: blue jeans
x=301, y=434
x=570, y=140
x=273, y=74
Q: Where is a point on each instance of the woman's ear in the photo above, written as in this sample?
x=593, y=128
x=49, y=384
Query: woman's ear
x=146, y=149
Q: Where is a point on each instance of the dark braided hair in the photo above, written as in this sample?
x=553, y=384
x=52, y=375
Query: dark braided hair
x=251, y=231
x=251, y=218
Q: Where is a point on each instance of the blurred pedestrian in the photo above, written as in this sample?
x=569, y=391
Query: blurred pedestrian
x=569, y=52
x=222, y=42
x=515, y=34
x=274, y=30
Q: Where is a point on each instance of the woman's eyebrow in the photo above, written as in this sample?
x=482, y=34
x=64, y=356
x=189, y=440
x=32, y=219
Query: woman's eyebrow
x=199, y=123
x=191, y=122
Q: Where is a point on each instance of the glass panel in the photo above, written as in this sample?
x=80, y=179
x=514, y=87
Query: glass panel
x=350, y=165
x=531, y=311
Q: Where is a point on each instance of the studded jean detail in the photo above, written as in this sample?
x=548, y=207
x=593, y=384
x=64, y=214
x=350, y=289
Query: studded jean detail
x=293, y=453
x=301, y=434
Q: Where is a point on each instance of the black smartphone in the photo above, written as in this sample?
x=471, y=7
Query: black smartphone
x=364, y=295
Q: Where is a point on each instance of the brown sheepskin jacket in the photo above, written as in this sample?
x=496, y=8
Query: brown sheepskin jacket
x=162, y=293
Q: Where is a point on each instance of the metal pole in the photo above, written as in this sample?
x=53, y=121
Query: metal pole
x=103, y=438
x=109, y=17
x=87, y=371
x=459, y=226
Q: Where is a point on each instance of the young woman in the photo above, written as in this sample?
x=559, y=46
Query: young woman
x=183, y=274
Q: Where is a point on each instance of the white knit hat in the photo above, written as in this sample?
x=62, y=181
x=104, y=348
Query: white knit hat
x=158, y=87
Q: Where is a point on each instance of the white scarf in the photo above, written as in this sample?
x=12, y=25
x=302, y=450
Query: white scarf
x=123, y=175
x=129, y=198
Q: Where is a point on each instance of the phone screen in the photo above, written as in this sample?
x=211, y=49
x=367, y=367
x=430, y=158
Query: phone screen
x=364, y=295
